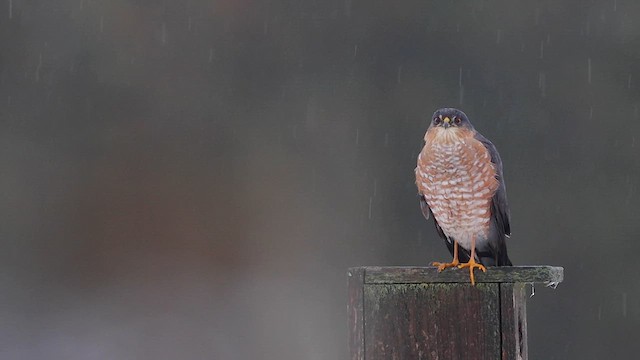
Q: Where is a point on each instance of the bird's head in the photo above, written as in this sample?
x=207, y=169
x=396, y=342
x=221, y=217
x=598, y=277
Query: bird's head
x=451, y=119
x=449, y=123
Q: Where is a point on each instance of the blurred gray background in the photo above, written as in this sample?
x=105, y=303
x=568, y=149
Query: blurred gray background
x=191, y=179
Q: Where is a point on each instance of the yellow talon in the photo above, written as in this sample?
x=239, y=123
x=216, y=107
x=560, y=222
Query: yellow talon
x=471, y=265
x=442, y=266
x=453, y=263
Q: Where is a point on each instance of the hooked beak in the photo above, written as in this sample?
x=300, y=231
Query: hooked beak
x=446, y=122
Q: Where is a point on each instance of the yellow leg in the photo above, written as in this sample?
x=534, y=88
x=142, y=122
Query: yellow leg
x=472, y=263
x=454, y=263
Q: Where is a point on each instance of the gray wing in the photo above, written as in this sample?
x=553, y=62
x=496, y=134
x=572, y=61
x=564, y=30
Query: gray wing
x=500, y=204
x=500, y=215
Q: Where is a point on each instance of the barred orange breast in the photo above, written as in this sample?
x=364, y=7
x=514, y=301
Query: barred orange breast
x=458, y=180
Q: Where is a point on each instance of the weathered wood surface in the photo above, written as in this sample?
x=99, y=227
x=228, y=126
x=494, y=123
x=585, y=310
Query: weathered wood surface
x=432, y=321
x=502, y=274
x=355, y=310
x=513, y=313
x=418, y=313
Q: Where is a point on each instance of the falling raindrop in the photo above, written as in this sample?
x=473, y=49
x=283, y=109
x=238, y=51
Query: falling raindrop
x=101, y=24
x=541, y=49
x=590, y=112
x=164, y=33
x=630, y=192
x=498, y=36
x=189, y=24
x=589, y=70
x=599, y=312
x=375, y=187
x=460, y=86
x=542, y=83
x=399, y=74
x=615, y=5
x=629, y=82
x=386, y=139
x=370, y=205
x=265, y=27
x=38, y=67
x=357, y=136
x=624, y=304
x=355, y=50
x=10, y=9
x=347, y=8
x=210, y=55
x=313, y=180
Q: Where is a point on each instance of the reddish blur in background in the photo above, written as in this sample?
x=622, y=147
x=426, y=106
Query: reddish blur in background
x=191, y=179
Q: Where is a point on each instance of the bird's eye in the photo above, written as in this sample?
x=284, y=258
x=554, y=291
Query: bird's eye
x=457, y=120
x=436, y=120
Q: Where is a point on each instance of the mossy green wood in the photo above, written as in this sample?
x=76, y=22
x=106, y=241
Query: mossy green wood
x=503, y=274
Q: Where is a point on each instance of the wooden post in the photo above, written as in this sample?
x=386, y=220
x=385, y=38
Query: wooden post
x=408, y=313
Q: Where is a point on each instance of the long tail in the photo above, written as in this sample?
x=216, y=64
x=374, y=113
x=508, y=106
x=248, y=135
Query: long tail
x=486, y=258
x=494, y=258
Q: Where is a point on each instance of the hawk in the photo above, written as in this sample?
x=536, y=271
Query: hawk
x=460, y=183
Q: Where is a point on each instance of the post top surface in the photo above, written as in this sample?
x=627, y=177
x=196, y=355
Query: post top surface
x=549, y=275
